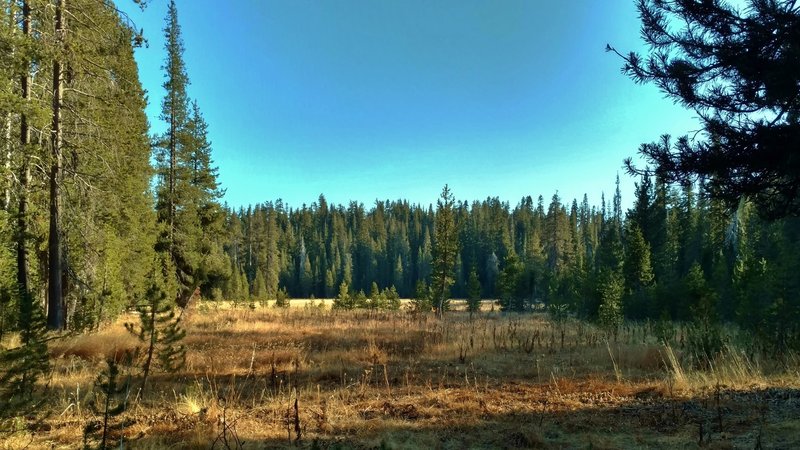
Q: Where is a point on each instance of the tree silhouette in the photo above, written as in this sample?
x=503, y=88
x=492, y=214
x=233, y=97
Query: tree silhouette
x=738, y=67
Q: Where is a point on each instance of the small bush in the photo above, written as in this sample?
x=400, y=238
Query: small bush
x=282, y=298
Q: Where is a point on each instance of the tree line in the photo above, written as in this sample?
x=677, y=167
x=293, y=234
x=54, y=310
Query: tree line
x=98, y=216
x=675, y=254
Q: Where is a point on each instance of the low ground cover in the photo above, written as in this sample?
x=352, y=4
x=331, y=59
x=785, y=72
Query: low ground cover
x=312, y=377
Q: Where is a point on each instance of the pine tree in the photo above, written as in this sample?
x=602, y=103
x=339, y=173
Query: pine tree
x=398, y=279
x=445, y=249
x=492, y=273
x=473, y=292
x=424, y=258
x=330, y=281
x=55, y=294
x=114, y=402
x=610, y=287
x=392, y=298
x=271, y=254
x=232, y=285
x=343, y=300
x=304, y=269
x=188, y=193
x=376, y=298
x=259, y=291
x=508, y=285
x=24, y=365
x=735, y=65
x=158, y=329
x=97, y=119
x=421, y=302
x=638, y=274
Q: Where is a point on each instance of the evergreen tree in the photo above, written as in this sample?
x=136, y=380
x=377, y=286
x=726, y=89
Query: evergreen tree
x=610, y=287
x=259, y=291
x=735, y=65
x=343, y=300
x=187, y=192
x=492, y=272
x=158, y=329
x=445, y=249
x=638, y=274
x=55, y=295
x=24, y=365
x=508, y=285
x=376, y=298
x=473, y=293
x=424, y=258
x=392, y=298
x=304, y=271
x=114, y=402
x=421, y=302
x=168, y=149
x=398, y=279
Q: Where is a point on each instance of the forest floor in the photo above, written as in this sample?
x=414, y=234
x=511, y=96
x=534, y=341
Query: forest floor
x=309, y=377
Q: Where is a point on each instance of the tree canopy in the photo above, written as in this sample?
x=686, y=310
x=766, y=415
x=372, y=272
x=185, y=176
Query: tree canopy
x=737, y=65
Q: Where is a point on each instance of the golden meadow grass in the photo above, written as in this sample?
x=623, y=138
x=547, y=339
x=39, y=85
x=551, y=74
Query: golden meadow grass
x=362, y=379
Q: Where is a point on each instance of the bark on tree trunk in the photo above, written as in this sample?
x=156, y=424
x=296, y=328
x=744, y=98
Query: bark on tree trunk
x=9, y=154
x=172, y=164
x=25, y=140
x=55, y=310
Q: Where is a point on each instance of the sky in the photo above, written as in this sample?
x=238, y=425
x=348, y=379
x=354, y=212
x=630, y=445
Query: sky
x=364, y=100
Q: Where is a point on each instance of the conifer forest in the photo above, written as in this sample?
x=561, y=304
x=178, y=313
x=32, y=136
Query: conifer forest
x=140, y=309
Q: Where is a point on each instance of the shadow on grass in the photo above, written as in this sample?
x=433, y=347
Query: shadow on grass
x=724, y=419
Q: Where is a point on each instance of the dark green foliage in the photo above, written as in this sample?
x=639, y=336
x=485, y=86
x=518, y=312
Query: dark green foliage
x=343, y=300
x=23, y=366
x=376, y=298
x=187, y=192
x=766, y=282
x=571, y=261
x=110, y=402
x=259, y=289
x=704, y=337
x=638, y=274
x=445, y=251
x=473, y=292
x=664, y=329
x=392, y=298
x=610, y=287
x=508, y=285
x=736, y=65
x=281, y=298
x=421, y=301
x=360, y=300
x=159, y=330
x=103, y=212
x=20, y=367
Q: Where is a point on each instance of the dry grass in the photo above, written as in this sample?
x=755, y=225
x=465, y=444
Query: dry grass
x=364, y=379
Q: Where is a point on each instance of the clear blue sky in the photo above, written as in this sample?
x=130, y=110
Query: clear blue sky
x=364, y=100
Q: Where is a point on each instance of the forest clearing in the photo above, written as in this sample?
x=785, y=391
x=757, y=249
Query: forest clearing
x=312, y=377
x=164, y=238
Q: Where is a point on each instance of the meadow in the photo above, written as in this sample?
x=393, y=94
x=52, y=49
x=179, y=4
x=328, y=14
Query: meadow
x=312, y=377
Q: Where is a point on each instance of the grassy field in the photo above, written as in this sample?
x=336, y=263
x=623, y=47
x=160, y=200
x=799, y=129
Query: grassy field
x=314, y=378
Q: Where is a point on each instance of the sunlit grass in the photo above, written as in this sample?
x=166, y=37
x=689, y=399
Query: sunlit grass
x=363, y=378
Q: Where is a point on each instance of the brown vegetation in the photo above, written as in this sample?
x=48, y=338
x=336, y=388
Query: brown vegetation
x=312, y=377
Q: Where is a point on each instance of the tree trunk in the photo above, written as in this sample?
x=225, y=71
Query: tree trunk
x=172, y=164
x=25, y=140
x=151, y=346
x=11, y=9
x=9, y=154
x=55, y=310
